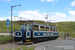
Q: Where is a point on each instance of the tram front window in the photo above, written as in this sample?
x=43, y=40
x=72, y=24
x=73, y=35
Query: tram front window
x=26, y=27
x=30, y=27
x=21, y=26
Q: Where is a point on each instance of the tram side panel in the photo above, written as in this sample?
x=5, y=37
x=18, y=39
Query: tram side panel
x=44, y=36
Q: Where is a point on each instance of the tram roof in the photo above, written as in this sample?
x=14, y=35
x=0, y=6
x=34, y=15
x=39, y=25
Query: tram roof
x=31, y=22
x=23, y=22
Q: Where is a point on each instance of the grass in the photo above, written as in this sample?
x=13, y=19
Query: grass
x=5, y=39
x=62, y=26
x=72, y=34
x=23, y=48
x=3, y=28
x=66, y=27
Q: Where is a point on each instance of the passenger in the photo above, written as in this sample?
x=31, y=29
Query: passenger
x=33, y=28
x=22, y=28
x=55, y=31
x=65, y=36
x=50, y=30
x=38, y=29
x=68, y=35
x=46, y=29
x=43, y=30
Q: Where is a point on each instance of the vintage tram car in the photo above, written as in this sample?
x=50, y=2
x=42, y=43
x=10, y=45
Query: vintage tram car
x=31, y=32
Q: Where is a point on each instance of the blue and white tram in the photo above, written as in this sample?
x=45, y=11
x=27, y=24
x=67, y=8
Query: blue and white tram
x=31, y=32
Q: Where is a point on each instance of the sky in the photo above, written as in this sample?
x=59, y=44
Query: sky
x=57, y=10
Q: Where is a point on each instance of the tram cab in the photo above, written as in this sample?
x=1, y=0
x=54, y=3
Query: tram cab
x=24, y=32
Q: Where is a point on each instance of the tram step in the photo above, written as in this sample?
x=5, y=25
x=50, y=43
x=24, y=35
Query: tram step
x=28, y=40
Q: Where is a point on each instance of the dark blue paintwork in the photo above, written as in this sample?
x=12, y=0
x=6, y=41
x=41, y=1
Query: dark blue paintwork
x=28, y=34
x=42, y=34
x=18, y=34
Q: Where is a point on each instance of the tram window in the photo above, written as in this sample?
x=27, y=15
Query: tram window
x=25, y=26
x=22, y=26
x=50, y=29
x=35, y=27
x=56, y=30
x=47, y=28
x=42, y=28
x=30, y=27
x=53, y=29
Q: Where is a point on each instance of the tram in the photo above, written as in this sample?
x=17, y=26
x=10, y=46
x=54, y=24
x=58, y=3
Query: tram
x=31, y=32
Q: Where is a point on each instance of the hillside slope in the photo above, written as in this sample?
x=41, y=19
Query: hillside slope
x=3, y=28
x=62, y=26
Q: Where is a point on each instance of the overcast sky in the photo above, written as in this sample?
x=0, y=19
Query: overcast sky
x=58, y=10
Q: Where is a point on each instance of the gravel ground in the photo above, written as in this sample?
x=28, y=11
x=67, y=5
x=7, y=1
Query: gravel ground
x=47, y=45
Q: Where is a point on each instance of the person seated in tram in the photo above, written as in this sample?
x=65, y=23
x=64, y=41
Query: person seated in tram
x=51, y=31
x=46, y=29
x=22, y=28
x=55, y=31
x=38, y=29
x=42, y=29
x=34, y=29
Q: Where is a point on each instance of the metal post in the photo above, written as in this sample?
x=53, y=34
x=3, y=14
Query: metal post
x=20, y=18
x=7, y=30
x=49, y=22
x=11, y=23
x=47, y=19
x=11, y=18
